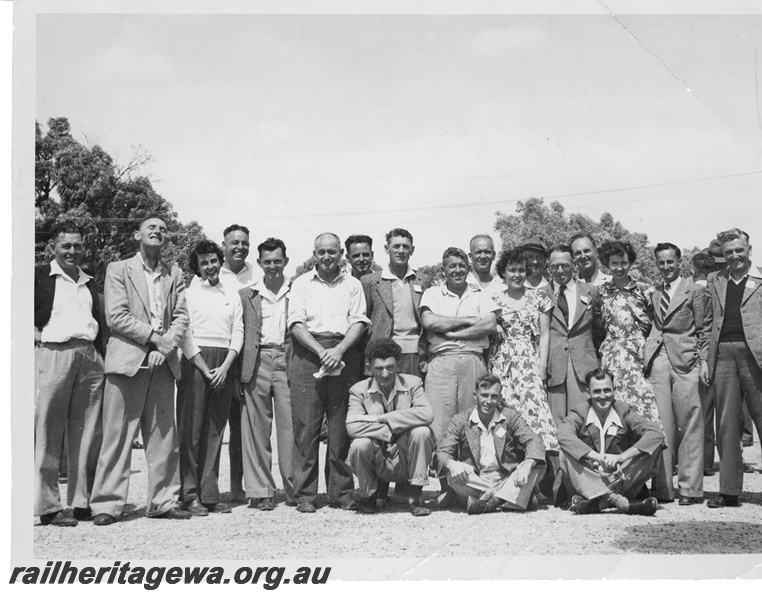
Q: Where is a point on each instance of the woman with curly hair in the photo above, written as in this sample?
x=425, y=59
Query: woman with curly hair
x=626, y=311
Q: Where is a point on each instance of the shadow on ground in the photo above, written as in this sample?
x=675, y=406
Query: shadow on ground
x=693, y=537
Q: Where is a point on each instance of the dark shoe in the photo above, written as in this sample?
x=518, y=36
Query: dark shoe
x=174, y=513
x=709, y=472
x=478, y=507
x=585, y=507
x=444, y=501
x=418, y=510
x=749, y=468
x=63, y=478
x=645, y=508
x=415, y=503
x=83, y=514
x=305, y=507
x=221, y=508
x=663, y=500
x=346, y=504
x=290, y=502
x=688, y=500
x=136, y=445
x=196, y=509
x=59, y=519
x=103, y=519
x=266, y=504
x=724, y=501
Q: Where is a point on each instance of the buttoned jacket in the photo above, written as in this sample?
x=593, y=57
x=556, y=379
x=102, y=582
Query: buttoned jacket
x=128, y=314
x=681, y=329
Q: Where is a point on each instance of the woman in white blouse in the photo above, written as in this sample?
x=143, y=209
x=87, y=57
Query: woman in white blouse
x=210, y=347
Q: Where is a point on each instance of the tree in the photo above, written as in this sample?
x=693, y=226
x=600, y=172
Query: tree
x=108, y=201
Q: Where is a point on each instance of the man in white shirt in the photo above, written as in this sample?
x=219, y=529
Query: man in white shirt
x=482, y=255
x=536, y=252
x=264, y=359
x=69, y=378
x=585, y=256
x=326, y=317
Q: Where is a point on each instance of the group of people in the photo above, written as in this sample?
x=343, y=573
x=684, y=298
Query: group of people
x=551, y=382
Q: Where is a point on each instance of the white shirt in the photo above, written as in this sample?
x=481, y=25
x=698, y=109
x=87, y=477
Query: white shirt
x=326, y=307
x=216, y=319
x=542, y=284
x=612, y=421
x=487, y=457
x=153, y=282
x=600, y=278
x=233, y=281
x=494, y=287
x=72, y=314
x=571, y=297
x=273, y=330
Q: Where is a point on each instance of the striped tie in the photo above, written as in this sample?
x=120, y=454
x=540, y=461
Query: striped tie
x=665, y=300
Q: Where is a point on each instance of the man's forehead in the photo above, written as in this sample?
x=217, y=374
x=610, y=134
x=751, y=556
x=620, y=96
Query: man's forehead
x=451, y=259
x=399, y=239
x=560, y=257
x=582, y=243
x=327, y=241
x=68, y=238
x=359, y=247
x=155, y=221
x=482, y=243
x=237, y=234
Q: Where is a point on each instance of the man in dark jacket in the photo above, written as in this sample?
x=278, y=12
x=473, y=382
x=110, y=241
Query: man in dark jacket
x=609, y=451
x=489, y=454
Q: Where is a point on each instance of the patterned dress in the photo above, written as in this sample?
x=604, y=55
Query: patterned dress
x=626, y=315
x=516, y=363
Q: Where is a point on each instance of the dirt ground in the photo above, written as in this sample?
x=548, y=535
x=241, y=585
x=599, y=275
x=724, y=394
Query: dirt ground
x=286, y=534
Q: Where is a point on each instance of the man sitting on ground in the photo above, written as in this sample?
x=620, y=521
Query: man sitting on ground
x=388, y=420
x=609, y=451
x=491, y=458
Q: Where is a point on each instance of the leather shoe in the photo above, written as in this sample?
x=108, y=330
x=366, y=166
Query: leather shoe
x=478, y=507
x=645, y=507
x=749, y=468
x=581, y=506
x=59, y=519
x=724, y=501
x=83, y=514
x=417, y=509
x=196, y=509
x=266, y=504
x=219, y=507
x=709, y=472
x=103, y=519
x=688, y=500
x=174, y=513
x=346, y=504
x=290, y=502
x=305, y=507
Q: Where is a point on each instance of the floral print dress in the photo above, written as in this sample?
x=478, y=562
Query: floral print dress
x=626, y=315
x=516, y=363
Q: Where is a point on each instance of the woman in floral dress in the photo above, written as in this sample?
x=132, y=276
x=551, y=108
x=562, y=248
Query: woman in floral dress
x=626, y=311
x=520, y=359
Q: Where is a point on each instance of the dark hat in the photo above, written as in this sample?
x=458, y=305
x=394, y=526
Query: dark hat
x=715, y=251
x=535, y=243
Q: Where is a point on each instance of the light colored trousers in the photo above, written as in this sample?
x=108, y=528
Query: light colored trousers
x=265, y=394
x=679, y=403
x=68, y=398
x=407, y=459
x=565, y=396
x=450, y=385
x=505, y=486
x=590, y=483
x=144, y=401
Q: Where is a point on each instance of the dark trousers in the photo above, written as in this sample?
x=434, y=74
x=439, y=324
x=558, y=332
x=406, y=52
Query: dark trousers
x=201, y=418
x=311, y=399
x=235, y=443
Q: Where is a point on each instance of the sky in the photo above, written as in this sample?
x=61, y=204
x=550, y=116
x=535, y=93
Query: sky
x=298, y=124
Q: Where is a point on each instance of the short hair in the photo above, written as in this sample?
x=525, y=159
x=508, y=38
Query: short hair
x=599, y=373
x=479, y=236
x=617, y=248
x=383, y=348
x=561, y=248
x=662, y=246
x=270, y=245
x=235, y=227
x=732, y=234
x=486, y=381
x=358, y=239
x=704, y=263
x=203, y=247
x=153, y=215
x=510, y=256
x=399, y=232
x=456, y=253
x=64, y=227
x=580, y=235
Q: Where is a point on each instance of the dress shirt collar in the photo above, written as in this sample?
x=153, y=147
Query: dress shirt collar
x=82, y=277
x=387, y=273
x=497, y=417
x=156, y=271
x=246, y=267
x=265, y=291
x=205, y=284
x=399, y=386
x=339, y=277
x=470, y=289
x=754, y=272
x=611, y=420
x=674, y=284
x=571, y=286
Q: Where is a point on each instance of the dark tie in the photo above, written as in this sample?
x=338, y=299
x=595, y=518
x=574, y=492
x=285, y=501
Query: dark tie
x=563, y=304
x=665, y=300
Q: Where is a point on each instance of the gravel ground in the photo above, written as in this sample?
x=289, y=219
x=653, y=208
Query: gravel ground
x=285, y=534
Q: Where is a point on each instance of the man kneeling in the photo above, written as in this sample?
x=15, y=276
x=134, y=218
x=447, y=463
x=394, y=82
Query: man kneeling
x=388, y=420
x=609, y=451
x=489, y=454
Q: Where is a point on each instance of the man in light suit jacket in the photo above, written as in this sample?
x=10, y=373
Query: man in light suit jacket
x=574, y=334
x=734, y=357
x=388, y=420
x=674, y=349
x=146, y=311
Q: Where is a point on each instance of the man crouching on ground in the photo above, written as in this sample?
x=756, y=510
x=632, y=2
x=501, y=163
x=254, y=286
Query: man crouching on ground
x=609, y=451
x=491, y=458
x=388, y=420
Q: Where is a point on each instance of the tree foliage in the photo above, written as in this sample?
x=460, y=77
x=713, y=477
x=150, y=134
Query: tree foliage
x=108, y=201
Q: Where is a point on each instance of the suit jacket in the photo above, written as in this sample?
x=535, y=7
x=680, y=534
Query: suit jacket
x=411, y=409
x=514, y=442
x=579, y=340
x=44, y=293
x=577, y=439
x=751, y=314
x=128, y=314
x=251, y=301
x=379, y=299
x=681, y=329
